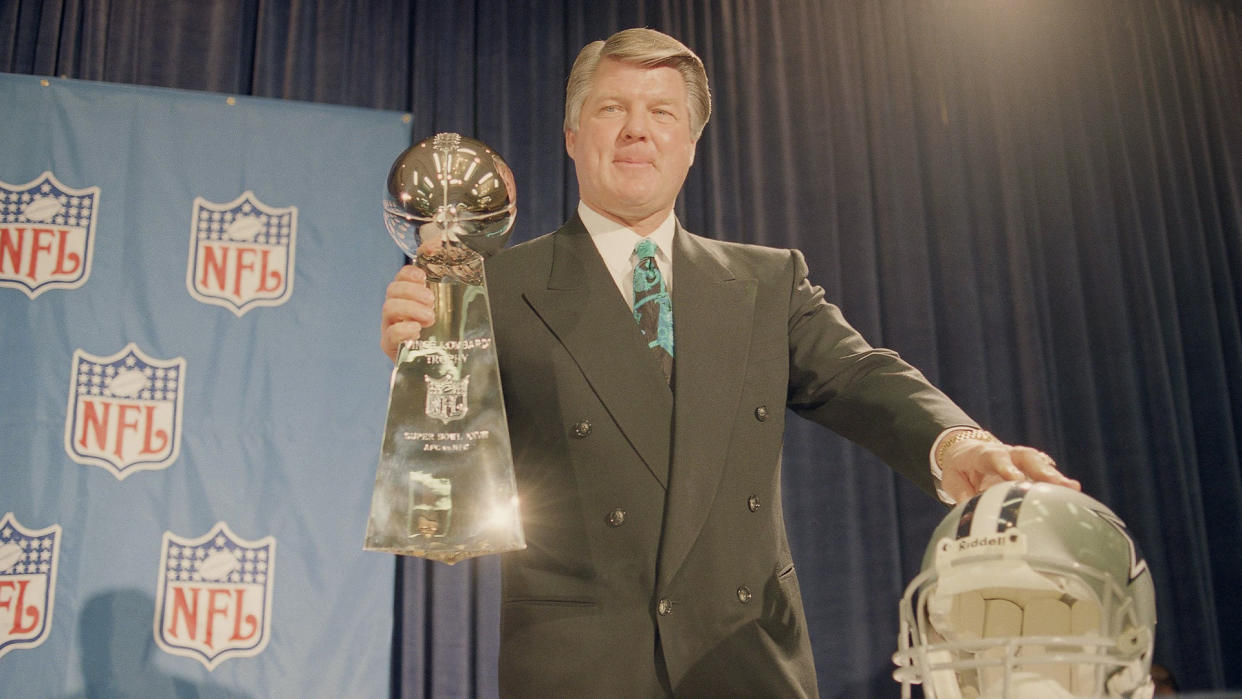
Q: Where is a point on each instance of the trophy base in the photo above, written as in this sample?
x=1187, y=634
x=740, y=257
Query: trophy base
x=447, y=557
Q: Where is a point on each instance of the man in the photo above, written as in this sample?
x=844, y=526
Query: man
x=648, y=465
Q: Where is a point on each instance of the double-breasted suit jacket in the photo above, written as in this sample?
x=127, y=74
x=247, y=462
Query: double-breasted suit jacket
x=657, y=558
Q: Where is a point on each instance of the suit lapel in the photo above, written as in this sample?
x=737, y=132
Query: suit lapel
x=712, y=315
x=582, y=308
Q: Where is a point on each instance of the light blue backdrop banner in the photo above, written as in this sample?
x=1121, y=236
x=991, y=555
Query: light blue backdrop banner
x=191, y=393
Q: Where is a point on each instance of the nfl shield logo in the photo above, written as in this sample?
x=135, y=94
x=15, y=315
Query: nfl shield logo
x=27, y=583
x=241, y=253
x=214, y=598
x=47, y=233
x=124, y=411
x=446, y=398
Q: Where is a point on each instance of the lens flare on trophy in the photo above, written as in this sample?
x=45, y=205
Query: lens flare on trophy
x=504, y=515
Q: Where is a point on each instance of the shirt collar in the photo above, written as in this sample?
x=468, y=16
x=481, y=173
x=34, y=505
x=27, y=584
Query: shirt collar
x=616, y=242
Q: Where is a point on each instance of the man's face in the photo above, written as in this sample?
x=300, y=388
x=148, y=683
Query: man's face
x=633, y=148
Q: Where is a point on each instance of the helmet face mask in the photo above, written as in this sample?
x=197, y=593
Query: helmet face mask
x=1028, y=590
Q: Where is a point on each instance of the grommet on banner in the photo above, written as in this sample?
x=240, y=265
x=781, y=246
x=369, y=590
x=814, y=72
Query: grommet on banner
x=230, y=101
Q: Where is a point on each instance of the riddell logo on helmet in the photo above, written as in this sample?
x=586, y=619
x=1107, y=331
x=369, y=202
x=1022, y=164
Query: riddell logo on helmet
x=1002, y=544
x=974, y=542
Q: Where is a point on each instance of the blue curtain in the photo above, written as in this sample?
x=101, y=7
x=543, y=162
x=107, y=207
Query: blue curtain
x=1038, y=202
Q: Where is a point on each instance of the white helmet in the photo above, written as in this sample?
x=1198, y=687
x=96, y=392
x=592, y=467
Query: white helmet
x=1029, y=590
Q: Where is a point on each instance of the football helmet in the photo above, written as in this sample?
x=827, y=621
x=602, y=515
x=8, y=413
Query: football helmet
x=1028, y=590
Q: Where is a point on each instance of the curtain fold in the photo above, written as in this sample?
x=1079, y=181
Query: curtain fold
x=1037, y=202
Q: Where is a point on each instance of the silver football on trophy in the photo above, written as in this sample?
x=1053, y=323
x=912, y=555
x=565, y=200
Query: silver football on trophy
x=448, y=195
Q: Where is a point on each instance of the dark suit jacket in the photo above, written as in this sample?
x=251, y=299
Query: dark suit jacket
x=657, y=557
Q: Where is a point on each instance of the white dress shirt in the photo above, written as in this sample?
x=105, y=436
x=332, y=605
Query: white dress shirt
x=616, y=244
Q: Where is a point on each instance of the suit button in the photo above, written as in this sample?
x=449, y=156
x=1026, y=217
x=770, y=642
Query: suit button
x=752, y=503
x=761, y=413
x=743, y=594
x=582, y=428
x=616, y=518
x=664, y=607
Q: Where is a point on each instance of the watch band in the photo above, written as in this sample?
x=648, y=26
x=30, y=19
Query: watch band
x=959, y=436
x=946, y=441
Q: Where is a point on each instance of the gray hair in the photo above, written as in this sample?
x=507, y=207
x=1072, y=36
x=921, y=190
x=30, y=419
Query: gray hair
x=650, y=49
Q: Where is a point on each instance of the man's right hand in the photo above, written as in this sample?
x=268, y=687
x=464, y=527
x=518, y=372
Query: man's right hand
x=408, y=308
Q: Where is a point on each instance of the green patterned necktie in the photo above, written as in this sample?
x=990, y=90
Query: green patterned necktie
x=653, y=309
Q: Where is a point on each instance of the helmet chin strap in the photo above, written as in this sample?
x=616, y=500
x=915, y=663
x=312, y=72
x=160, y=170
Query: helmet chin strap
x=1131, y=682
x=1030, y=685
x=1026, y=685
